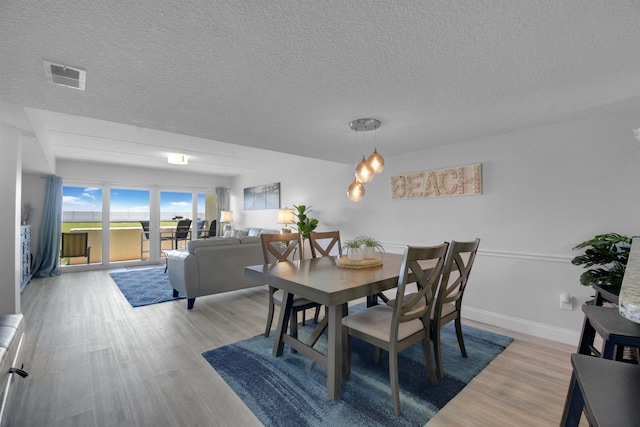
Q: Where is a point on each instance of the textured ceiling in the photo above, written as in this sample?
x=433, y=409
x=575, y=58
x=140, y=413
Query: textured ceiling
x=288, y=76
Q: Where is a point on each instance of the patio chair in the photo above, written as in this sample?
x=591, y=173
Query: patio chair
x=212, y=230
x=75, y=245
x=180, y=233
x=144, y=237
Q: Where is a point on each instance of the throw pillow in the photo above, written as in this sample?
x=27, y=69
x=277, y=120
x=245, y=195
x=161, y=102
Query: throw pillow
x=240, y=233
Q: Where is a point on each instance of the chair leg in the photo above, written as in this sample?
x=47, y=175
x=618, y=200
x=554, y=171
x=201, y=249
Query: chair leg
x=376, y=355
x=437, y=350
x=304, y=312
x=393, y=379
x=426, y=349
x=459, y=334
x=270, y=313
x=293, y=322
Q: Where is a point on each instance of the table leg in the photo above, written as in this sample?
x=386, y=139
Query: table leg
x=334, y=351
x=283, y=322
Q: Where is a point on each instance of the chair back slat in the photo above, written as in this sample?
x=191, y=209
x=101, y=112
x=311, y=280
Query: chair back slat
x=279, y=247
x=455, y=274
x=420, y=303
x=323, y=243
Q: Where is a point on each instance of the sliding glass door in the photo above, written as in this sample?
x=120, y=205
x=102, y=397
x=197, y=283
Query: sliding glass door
x=176, y=223
x=134, y=224
x=82, y=213
x=129, y=224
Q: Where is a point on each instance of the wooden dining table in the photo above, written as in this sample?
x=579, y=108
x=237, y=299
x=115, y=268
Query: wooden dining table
x=324, y=282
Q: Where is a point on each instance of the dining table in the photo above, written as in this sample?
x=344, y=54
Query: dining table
x=323, y=281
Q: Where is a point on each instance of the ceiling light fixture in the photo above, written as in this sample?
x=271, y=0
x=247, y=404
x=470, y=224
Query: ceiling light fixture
x=355, y=192
x=177, y=159
x=367, y=168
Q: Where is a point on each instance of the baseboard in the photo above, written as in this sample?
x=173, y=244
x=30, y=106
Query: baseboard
x=536, y=329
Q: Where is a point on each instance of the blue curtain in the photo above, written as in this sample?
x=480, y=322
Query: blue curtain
x=46, y=264
x=222, y=204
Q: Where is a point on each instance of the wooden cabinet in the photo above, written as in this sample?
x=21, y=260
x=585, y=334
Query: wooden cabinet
x=25, y=255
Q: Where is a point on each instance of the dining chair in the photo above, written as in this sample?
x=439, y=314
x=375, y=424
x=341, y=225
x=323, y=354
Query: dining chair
x=324, y=243
x=448, y=306
x=396, y=328
x=276, y=248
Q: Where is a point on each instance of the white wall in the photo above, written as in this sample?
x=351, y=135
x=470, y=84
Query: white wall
x=10, y=185
x=544, y=191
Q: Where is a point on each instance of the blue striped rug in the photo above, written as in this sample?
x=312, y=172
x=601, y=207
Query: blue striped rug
x=292, y=390
x=144, y=286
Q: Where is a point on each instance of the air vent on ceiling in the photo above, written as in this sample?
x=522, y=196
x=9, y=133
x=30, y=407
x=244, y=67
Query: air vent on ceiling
x=65, y=76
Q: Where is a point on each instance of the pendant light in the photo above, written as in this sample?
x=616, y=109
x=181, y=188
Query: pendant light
x=367, y=168
x=355, y=193
x=364, y=172
x=375, y=160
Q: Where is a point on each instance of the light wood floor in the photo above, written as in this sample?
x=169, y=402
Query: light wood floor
x=93, y=360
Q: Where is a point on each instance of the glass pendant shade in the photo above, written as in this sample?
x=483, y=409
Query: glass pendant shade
x=364, y=173
x=355, y=191
x=376, y=162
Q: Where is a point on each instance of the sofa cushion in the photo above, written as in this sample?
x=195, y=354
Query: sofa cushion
x=212, y=241
x=239, y=234
x=252, y=232
x=246, y=240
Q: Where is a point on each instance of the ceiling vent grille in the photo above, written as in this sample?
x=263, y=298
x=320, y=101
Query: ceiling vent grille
x=65, y=76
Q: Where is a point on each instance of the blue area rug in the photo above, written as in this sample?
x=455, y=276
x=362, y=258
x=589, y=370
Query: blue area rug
x=144, y=286
x=292, y=390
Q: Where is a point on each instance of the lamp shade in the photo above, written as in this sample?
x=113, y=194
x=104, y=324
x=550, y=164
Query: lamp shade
x=376, y=162
x=355, y=193
x=364, y=173
x=286, y=216
x=226, y=216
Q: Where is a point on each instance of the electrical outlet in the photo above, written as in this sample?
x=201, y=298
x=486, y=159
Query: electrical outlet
x=566, y=302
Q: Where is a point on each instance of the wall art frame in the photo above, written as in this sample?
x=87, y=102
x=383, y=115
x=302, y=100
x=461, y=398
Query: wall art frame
x=262, y=197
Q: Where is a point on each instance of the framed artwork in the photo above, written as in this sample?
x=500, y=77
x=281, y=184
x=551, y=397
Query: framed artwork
x=262, y=197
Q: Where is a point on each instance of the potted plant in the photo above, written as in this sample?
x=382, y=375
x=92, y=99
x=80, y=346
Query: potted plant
x=354, y=249
x=304, y=224
x=611, y=252
x=371, y=247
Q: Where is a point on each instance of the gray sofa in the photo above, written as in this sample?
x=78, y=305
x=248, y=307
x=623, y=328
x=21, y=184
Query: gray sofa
x=214, y=265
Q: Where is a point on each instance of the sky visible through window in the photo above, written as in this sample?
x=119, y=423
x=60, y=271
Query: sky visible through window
x=89, y=199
